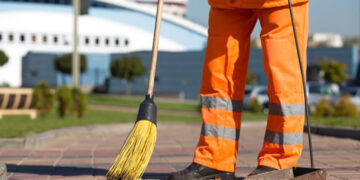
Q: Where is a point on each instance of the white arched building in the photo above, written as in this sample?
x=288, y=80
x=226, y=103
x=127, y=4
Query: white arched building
x=112, y=26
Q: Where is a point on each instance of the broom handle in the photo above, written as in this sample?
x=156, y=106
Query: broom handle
x=155, y=48
x=304, y=85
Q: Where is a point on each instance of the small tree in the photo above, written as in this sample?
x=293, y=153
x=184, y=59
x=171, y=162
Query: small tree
x=64, y=98
x=43, y=99
x=334, y=71
x=79, y=102
x=128, y=68
x=64, y=64
x=3, y=58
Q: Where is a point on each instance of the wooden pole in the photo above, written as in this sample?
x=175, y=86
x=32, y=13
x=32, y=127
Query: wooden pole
x=155, y=48
x=75, y=56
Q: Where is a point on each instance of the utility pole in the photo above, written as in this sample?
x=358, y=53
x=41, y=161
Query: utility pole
x=75, y=55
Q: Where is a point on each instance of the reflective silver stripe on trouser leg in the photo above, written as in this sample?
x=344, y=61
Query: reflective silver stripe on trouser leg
x=221, y=103
x=224, y=104
x=220, y=132
x=286, y=109
x=283, y=138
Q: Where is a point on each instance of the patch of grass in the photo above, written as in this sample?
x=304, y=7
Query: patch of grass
x=335, y=121
x=177, y=118
x=247, y=116
x=22, y=126
x=177, y=106
x=135, y=102
x=113, y=100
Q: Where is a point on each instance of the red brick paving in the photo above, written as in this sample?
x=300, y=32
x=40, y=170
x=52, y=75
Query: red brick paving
x=16, y=152
x=88, y=156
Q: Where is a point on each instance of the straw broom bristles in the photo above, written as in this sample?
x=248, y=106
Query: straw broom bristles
x=136, y=152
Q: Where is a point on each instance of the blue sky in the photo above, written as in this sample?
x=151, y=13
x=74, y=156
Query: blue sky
x=338, y=16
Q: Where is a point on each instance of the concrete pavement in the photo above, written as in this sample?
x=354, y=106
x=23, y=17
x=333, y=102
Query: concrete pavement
x=88, y=156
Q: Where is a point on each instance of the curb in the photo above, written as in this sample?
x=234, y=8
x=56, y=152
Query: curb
x=3, y=172
x=33, y=142
x=352, y=133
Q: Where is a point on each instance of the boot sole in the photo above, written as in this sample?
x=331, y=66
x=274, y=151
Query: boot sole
x=223, y=176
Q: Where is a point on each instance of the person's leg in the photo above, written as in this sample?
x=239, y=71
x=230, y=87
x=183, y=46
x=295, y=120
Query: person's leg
x=222, y=91
x=284, y=133
x=223, y=84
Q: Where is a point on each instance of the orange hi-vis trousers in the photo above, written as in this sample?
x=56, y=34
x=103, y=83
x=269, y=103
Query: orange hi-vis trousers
x=223, y=84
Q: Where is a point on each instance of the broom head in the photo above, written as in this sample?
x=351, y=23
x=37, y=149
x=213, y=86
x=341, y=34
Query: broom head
x=136, y=152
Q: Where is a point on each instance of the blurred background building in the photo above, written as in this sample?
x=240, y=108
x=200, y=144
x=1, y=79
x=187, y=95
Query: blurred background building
x=175, y=7
x=325, y=39
x=110, y=26
x=34, y=32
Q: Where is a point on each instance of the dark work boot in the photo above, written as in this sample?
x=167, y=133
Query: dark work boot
x=198, y=172
x=260, y=170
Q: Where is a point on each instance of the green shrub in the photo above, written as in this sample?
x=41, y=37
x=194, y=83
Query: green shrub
x=324, y=108
x=64, y=99
x=345, y=108
x=79, y=102
x=3, y=58
x=255, y=106
x=43, y=98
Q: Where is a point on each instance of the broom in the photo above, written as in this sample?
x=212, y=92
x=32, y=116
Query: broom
x=135, y=153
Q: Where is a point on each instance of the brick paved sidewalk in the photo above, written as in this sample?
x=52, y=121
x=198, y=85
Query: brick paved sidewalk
x=89, y=156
